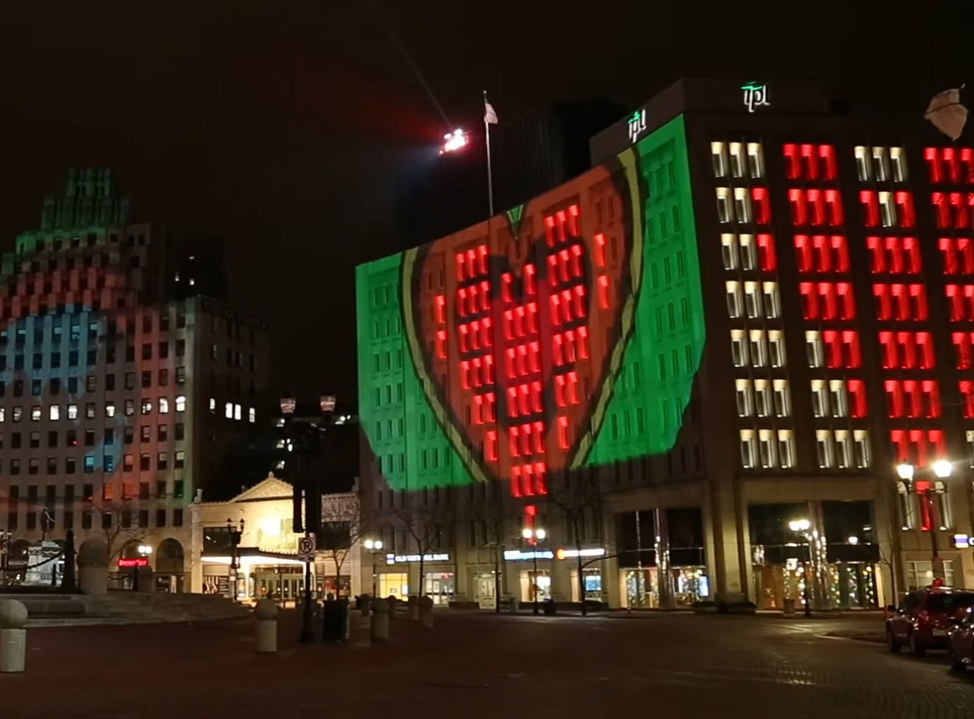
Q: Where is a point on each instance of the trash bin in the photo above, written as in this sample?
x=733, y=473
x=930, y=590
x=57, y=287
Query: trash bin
x=549, y=607
x=789, y=607
x=334, y=621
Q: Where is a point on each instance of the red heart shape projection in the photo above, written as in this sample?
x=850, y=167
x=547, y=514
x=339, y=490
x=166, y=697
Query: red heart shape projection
x=518, y=335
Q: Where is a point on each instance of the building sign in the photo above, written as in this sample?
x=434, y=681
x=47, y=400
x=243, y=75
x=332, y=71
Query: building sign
x=516, y=555
x=755, y=95
x=138, y=562
x=407, y=558
x=962, y=541
x=575, y=553
x=637, y=125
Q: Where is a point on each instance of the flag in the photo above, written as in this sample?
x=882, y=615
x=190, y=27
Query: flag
x=490, y=117
x=946, y=112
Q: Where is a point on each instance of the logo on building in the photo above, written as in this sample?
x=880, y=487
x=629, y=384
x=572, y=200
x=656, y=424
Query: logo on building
x=637, y=125
x=755, y=95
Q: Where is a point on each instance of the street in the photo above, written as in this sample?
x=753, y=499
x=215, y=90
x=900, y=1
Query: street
x=481, y=665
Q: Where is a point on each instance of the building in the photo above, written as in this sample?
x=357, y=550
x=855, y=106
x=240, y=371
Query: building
x=264, y=559
x=122, y=385
x=749, y=325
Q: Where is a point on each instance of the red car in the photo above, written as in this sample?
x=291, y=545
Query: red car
x=960, y=646
x=924, y=620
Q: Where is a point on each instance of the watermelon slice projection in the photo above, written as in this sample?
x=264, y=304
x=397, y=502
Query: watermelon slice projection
x=518, y=334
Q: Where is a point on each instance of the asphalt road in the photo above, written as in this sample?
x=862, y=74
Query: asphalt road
x=481, y=665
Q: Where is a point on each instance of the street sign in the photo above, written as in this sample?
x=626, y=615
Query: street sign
x=306, y=548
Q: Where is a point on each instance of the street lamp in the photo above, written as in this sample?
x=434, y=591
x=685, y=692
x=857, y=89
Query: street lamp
x=143, y=550
x=453, y=141
x=532, y=536
x=801, y=526
x=234, y=533
x=942, y=469
x=373, y=545
x=5, y=538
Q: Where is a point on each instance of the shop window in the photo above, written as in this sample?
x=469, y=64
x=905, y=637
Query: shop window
x=786, y=449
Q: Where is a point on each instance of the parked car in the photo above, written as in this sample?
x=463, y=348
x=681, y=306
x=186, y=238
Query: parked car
x=924, y=620
x=960, y=645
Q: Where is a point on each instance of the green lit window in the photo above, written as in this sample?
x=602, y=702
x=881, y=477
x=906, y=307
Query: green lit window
x=662, y=226
x=627, y=423
x=667, y=271
x=635, y=375
x=422, y=459
x=676, y=218
x=378, y=431
x=681, y=268
x=671, y=170
x=640, y=421
x=659, y=320
x=675, y=358
x=671, y=311
x=662, y=367
x=615, y=427
x=688, y=354
x=665, y=409
x=685, y=310
x=655, y=272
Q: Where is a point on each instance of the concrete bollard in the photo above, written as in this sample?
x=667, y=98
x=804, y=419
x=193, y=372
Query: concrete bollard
x=513, y=605
x=365, y=604
x=266, y=637
x=379, y=626
x=425, y=608
x=393, y=606
x=13, y=636
x=412, y=608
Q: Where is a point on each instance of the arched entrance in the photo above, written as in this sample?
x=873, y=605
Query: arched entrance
x=170, y=566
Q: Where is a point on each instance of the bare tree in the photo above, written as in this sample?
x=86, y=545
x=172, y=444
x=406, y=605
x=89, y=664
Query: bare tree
x=340, y=531
x=109, y=518
x=577, y=494
x=424, y=522
x=488, y=513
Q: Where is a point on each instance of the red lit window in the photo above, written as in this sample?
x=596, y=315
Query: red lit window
x=911, y=253
x=955, y=303
x=821, y=254
x=566, y=305
x=527, y=480
x=463, y=338
x=576, y=260
x=513, y=446
x=564, y=265
x=883, y=306
x=827, y=300
x=803, y=253
x=509, y=324
x=562, y=226
x=557, y=345
x=766, y=254
x=958, y=205
x=536, y=397
x=966, y=388
x=579, y=300
x=510, y=368
x=573, y=220
x=924, y=344
x=524, y=398
x=489, y=407
x=829, y=167
x=911, y=393
x=840, y=253
x=833, y=208
x=901, y=446
x=761, y=204
x=485, y=295
x=531, y=317
x=967, y=165
x=471, y=265
x=549, y=230
x=534, y=362
x=482, y=259
x=474, y=335
x=515, y=481
x=462, y=302
x=904, y=201
x=490, y=446
x=553, y=270
x=851, y=350
x=569, y=346
x=478, y=404
x=857, y=398
x=816, y=207
x=907, y=349
x=894, y=254
x=571, y=388
x=439, y=309
x=799, y=211
x=809, y=162
x=603, y=292
x=539, y=478
x=833, y=349
x=538, y=432
x=951, y=164
x=918, y=298
x=600, y=250
x=846, y=303
x=793, y=169
x=894, y=398
x=931, y=398
x=941, y=210
x=518, y=321
x=525, y=435
x=887, y=344
x=562, y=424
x=969, y=300
x=870, y=208
x=918, y=445
x=965, y=248
x=560, y=390
x=962, y=344
x=461, y=261
x=522, y=360
x=932, y=157
x=512, y=402
x=900, y=304
x=949, y=251
x=809, y=300
x=937, y=440
x=486, y=338
x=506, y=280
x=555, y=310
x=877, y=255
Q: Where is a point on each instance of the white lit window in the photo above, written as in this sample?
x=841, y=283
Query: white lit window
x=725, y=212
x=820, y=398
x=163, y=405
x=237, y=412
x=813, y=346
x=943, y=506
x=109, y=409
x=823, y=448
x=212, y=406
x=749, y=253
x=776, y=348
x=3, y=417
x=36, y=411
x=897, y=159
x=743, y=397
x=887, y=209
x=752, y=299
x=54, y=412
x=18, y=414
x=747, y=448
x=782, y=398
x=843, y=449
x=772, y=301
x=755, y=160
x=860, y=446
x=742, y=204
x=862, y=164
x=766, y=442
x=762, y=398
x=970, y=446
x=72, y=411
x=758, y=349
x=733, y=299
x=736, y=159
x=838, y=398
x=718, y=155
x=228, y=410
x=880, y=164
x=252, y=415
x=728, y=251
x=908, y=514
x=786, y=448
x=738, y=348
x=147, y=406
x=181, y=403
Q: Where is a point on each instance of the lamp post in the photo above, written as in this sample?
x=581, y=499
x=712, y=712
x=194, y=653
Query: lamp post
x=942, y=469
x=144, y=550
x=801, y=526
x=373, y=545
x=5, y=538
x=532, y=536
x=234, y=533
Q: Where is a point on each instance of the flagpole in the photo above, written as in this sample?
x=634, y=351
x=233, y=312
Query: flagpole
x=490, y=180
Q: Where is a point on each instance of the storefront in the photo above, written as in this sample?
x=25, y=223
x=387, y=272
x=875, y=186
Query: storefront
x=402, y=572
x=440, y=587
x=484, y=589
x=640, y=586
x=394, y=584
x=257, y=574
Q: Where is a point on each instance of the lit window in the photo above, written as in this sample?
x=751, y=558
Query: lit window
x=843, y=449
x=744, y=398
x=35, y=413
x=72, y=411
x=860, y=446
x=755, y=160
x=887, y=209
x=766, y=447
x=824, y=449
x=820, y=399
x=880, y=164
x=786, y=449
x=813, y=347
x=838, y=398
x=908, y=517
x=181, y=403
x=738, y=348
x=776, y=348
x=733, y=299
x=752, y=299
x=725, y=213
x=736, y=159
x=897, y=158
x=862, y=164
x=718, y=156
x=728, y=250
x=742, y=204
x=251, y=415
x=54, y=413
x=782, y=398
x=772, y=303
x=747, y=448
x=109, y=409
x=147, y=406
x=749, y=254
x=228, y=410
x=970, y=448
x=237, y=412
x=762, y=398
x=758, y=349
x=212, y=405
x=163, y=405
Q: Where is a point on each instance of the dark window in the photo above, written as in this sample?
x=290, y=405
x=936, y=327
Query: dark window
x=52, y=439
x=145, y=462
x=143, y=490
x=178, y=488
x=86, y=519
x=146, y=379
x=161, y=488
x=146, y=433
x=160, y=517
x=180, y=431
x=89, y=438
x=177, y=518
x=143, y=517
x=88, y=490
x=164, y=377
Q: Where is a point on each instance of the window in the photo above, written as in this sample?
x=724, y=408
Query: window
x=145, y=462
x=736, y=160
x=880, y=164
x=738, y=348
x=755, y=160
x=728, y=248
x=897, y=157
x=813, y=347
x=742, y=205
x=861, y=451
x=838, y=398
x=749, y=253
x=786, y=449
x=180, y=462
x=251, y=415
x=718, y=154
x=163, y=405
x=863, y=166
x=725, y=213
x=181, y=403
x=766, y=448
x=772, y=302
x=824, y=448
x=109, y=409
x=747, y=448
x=36, y=412
x=820, y=400
x=744, y=398
x=54, y=412
x=776, y=348
x=762, y=398
x=782, y=398
x=758, y=349
x=733, y=290
x=752, y=299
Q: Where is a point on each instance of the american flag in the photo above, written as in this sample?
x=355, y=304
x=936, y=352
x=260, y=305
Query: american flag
x=490, y=117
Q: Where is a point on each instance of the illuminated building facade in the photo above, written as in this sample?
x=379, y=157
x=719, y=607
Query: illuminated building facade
x=121, y=384
x=751, y=311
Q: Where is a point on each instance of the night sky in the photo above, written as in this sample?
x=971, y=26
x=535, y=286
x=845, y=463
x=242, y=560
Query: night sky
x=281, y=125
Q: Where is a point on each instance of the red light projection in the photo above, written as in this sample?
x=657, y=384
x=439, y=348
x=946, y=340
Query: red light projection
x=950, y=165
x=810, y=162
